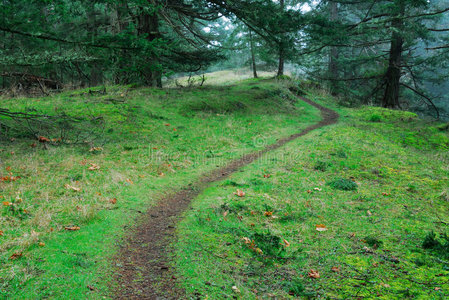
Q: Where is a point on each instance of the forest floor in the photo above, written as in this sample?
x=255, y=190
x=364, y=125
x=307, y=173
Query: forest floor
x=146, y=272
x=348, y=210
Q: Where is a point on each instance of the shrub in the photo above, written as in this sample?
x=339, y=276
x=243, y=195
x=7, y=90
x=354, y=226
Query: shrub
x=322, y=165
x=343, y=184
x=269, y=243
x=373, y=242
x=340, y=154
x=375, y=118
x=297, y=90
x=283, y=77
x=431, y=242
x=295, y=287
x=443, y=127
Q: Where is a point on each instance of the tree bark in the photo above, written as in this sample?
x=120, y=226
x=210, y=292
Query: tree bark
x=121, y=76
x=149, y=26
x=281, y=47
x=253, y=55
x=95, y=71
x=333, y=55
x=393, y=74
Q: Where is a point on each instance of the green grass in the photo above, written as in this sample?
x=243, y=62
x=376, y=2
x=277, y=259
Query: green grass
x=379, y=236
x=153, y=141
x=266, y=243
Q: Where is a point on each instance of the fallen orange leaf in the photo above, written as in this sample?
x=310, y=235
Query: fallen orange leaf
x=72, y=228
x=129, y=181
x=313, y=274
x=268, y=214
x=70, y=187
x=1, y=232
x=8, y=168
x=43, y=139
x=335, y=269
x=16, y=255
x=9, y=178
x=113, y=201
x=239, y=193
x=96, y=149
x=321, y=227
x=266, y=176
x=41, y=244
x=93, y=167
x=7, y=203
x=286, y=243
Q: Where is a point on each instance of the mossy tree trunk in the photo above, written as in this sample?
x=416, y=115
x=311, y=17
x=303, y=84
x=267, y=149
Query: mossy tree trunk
x=333, y=55
x=253, y=55
x=149, y=27
x=281, y=47
x=393, y=74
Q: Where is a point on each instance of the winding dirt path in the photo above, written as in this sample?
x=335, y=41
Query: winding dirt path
x=145, y=272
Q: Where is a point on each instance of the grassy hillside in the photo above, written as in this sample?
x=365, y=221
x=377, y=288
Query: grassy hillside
x=355, y=210
x=141, y=144
x=67, y=205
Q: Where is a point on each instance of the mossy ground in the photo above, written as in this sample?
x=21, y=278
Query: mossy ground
x=156, y=141
x=153, y=141
x=369, y=242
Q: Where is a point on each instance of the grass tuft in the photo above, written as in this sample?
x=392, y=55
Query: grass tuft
x=343, y=184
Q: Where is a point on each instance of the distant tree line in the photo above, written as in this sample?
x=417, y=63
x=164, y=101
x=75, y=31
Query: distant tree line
x=386, y=52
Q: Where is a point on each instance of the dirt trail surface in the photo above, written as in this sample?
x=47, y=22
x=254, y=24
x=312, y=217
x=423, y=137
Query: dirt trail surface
x=143, y=263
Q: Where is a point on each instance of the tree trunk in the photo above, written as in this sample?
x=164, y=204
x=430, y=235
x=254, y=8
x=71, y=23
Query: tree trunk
x=149, y=25
x=333, y=55
x=253, y=56
x=121, y=76
x=281, y=60
x=281, y=47
x=95, y=71
x=393, y=74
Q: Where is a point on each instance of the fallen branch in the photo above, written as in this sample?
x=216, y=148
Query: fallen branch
x=30, y=79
